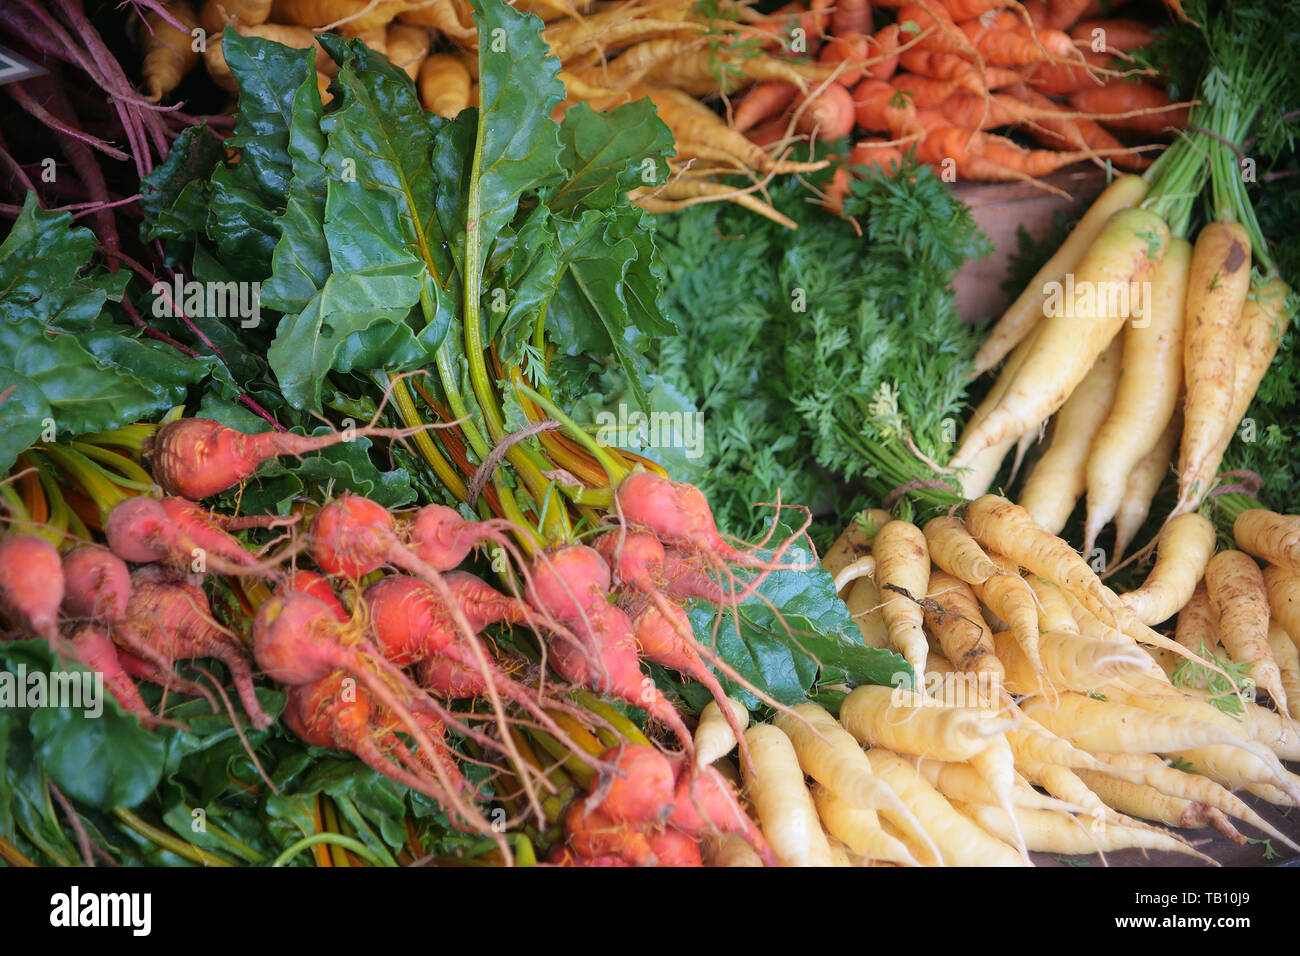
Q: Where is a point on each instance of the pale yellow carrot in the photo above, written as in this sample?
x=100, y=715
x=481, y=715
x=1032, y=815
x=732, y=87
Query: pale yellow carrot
x=859, y=829
x=960, y=842
x=785, y=809
x=1186, y=544
x=903, y=562
x=864, y=604
x=1271, y=536
x=1058, y=479
x=1237, y=595
x=962, y=634
x=1010, y=597
x=1147, y=393
x=954, y=550
x=1263, y=320
x=1217, y=283
x=1283, y=588
x=1143, y=484
x=714, y=737
x=911, y=723
x=1027, y=309
x=1054, y=611
x=1288, y=664
x=1127, y=250
x=169, y=52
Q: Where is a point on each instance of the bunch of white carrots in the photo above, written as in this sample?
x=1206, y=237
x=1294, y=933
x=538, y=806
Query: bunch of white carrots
x=1044, y=718
x=1144, y=349
x=1142, y=338
x=444, y=74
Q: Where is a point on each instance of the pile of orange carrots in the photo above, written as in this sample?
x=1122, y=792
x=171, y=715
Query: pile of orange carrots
x=944, y=73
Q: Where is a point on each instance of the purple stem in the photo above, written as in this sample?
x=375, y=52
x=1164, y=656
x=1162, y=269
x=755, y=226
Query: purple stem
x=22, y=98
x=83, y=161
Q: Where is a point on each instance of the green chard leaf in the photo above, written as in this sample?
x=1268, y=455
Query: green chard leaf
x=793, y=636
x=529, y=280
x=242, y=227
x=269, y=76
x=373, y=226
x=300, y=263
x=24, y=408
x=189, y=161
x=104, y=759
x=517, y=144
x=590, y=311
x=605, y=154
x=57, y=339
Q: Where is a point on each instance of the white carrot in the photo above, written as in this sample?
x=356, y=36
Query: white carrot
x=903, y=563
x=1058, y=479
x=1237, y=595
x=785, y=809
x=1186, y=544
x=961, y=842
x=1147, y=394
x=714, y=737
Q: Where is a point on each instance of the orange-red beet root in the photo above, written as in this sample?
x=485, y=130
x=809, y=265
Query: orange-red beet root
x=197, y=457
x=97, y=583
x=640, y=787
x=31, y=584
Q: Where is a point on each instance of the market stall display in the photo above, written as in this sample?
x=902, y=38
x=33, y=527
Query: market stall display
x=412, y=459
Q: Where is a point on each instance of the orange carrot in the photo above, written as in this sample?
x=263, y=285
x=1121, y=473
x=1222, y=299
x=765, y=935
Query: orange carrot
x=782, y=23
x=851, y=16
x=822, y=10
x=885, y=43
x=1118, y=33
x=837, y=189
x=868, y=154
x=1098, y=8
x=770, y=131
x=968, y=9
x=1008, y=42
x=1124, y=97
x=876, y=152
x=1056, y=79
x=880, y=108
x=924, y=92
x=982, y=156
x=1039, y=13
x=942, y=34
x=851, y=48
x=952, y=66
x=1062, y=13
x=829, y=115
x=763, y=101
